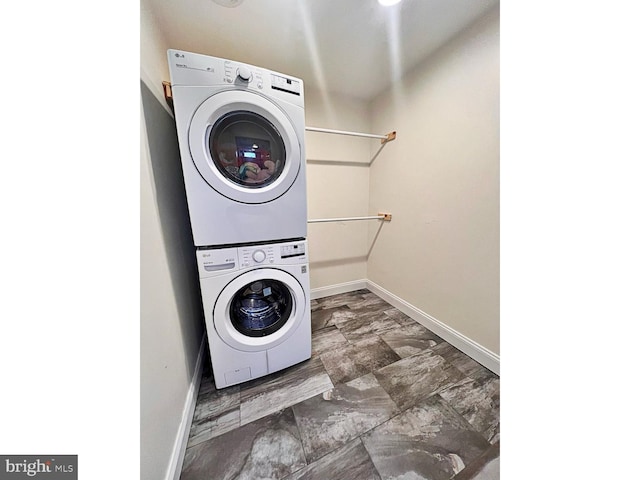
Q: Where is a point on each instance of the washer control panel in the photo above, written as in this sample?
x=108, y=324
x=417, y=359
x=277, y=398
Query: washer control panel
x=283, y=253
x=220, y=261
x=292, y=250
x=259, y=256
x=216, y=261
x=262, y=255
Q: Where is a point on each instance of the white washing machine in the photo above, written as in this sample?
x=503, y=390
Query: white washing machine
x=257, y=308
x=241, y=136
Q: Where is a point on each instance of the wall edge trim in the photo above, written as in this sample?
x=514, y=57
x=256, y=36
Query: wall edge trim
x=180, y=445
x=476, y=351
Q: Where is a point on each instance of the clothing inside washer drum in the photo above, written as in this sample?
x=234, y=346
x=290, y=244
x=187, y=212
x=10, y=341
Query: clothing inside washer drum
x=261, y=308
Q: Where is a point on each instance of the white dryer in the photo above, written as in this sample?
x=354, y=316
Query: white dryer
x=241, y=137
x=257, y=309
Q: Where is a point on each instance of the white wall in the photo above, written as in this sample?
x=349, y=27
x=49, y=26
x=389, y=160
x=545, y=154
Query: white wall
x=337, y=186
x=171, y=324
x=153, y=52
x=440, y=180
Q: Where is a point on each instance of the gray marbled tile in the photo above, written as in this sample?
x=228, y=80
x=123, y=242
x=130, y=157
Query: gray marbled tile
x=212, y=402
x=208, y=428
x=357, y=359
x=206, y=383
x=350, y=462
x=268, y=448
x=362, y=291
x=340, y=299
x=409, y=339
x=460, y=360
x=315, y=305
x=485, y=467
x=332, y=419
x=478, y=401
x=324, y=317
x=430, y=440
x=369, y=301
x=342, y=316
x=327, y=339
x=359, y=327
x=416, y=377
x=399, y=317
x=279, y=390
x=369, y=306
x=216, y=412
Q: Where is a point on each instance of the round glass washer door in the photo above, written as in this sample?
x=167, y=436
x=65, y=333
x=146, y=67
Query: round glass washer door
x=259, y=309
x=244, y=146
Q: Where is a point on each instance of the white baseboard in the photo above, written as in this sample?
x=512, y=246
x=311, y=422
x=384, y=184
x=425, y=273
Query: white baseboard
x=476, y=351
x=338, y=288
x=180, y=445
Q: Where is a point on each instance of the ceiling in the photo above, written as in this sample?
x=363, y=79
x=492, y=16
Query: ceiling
x=353, y=47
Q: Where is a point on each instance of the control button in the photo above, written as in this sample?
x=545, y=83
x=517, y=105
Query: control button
x=259, y=256
x=244, y=73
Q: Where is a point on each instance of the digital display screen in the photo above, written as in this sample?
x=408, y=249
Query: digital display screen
x=249, y=154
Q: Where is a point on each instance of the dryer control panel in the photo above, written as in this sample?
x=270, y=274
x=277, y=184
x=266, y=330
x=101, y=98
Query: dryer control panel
x=192, y=69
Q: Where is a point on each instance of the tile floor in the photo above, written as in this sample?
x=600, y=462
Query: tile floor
x=381, y=398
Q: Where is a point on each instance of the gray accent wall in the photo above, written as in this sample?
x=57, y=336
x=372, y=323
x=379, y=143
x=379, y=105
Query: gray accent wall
x=171, y=318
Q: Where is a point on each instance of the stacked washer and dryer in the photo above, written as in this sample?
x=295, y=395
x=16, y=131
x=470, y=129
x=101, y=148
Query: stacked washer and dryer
x=241, y=136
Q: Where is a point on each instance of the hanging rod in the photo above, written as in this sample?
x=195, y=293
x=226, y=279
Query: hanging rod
x=383, y=138
x=386, y=217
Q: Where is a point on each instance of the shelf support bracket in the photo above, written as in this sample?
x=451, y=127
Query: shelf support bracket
x=168, y=94
x=391, y=136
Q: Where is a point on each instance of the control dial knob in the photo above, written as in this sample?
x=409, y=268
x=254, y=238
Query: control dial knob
x=244, y=73
x=259, y=256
